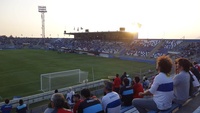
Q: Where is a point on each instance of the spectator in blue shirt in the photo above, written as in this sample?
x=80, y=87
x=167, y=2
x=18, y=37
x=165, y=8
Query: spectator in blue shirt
x=6, y=108
x=22, y=107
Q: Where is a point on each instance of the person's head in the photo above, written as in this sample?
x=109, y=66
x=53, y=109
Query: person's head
x=125, y=73
x=145, y=78
x=127, y=76
x=108, y=87
x=21, y=102
x=182, y=64
x=70, y=89
x=117, y=75
x=76, y=97
x=7, y=101
x=126, y=82
x=137, y=79
x=57, y=100
x=56, y=91
x=195, y=63
x=85, y=93
x=191, y=65
x=164, y=64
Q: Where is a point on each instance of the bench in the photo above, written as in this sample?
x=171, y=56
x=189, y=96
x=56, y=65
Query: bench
x=174, y=105
x=128, y=109
x=170, y=110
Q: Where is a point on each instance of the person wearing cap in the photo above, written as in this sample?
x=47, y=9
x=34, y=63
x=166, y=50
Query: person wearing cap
x=77, y=101
x=111, y=101
x=58, y=103
x=6, y=108
x=89, y=104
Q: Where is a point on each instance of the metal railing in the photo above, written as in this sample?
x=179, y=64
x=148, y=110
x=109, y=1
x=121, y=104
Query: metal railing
x=47, y=95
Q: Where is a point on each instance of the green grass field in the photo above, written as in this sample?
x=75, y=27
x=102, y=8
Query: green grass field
x=20, y=69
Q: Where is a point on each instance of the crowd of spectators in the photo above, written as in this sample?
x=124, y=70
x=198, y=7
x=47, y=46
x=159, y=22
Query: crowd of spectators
x=168, y=45
x=191, y=49
x=167, y=89
x=125, y=91
x=7, y=107
x=137, y=48
x=141, y=48
x=163, y=91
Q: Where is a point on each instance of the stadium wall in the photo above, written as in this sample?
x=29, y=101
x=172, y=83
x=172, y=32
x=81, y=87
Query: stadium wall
x=47, y=95
x=127, y=58
x=137, y=59
x=106, y=55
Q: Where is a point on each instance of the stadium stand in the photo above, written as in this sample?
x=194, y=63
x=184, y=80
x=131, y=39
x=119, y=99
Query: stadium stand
x=138, y=49
x=144, y=48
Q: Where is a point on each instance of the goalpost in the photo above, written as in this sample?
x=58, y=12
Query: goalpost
x=57, y=80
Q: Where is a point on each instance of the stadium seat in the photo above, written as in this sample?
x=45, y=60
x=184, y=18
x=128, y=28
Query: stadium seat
x=128, y=109
x=197, y=110
x=174, y=106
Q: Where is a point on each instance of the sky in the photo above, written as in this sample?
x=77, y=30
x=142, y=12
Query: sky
x=158, y=18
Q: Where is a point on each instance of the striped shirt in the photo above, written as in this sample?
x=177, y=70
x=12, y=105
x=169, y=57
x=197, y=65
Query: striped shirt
x=162, y=90
x=111, y=103
x=90, y=106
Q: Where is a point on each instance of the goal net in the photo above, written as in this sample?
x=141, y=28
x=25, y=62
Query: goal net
x=57, y=80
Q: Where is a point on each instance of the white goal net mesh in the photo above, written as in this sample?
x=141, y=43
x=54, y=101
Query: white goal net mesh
x=57, y=80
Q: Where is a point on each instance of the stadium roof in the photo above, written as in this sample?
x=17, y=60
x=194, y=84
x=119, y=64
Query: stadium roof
x=109, y=35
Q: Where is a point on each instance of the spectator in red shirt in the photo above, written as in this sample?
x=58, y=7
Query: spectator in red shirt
x=117, y=83
x=137, y=87
x=77, y=101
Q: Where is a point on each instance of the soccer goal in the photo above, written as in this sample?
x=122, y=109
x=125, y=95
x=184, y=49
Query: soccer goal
x=57, y=80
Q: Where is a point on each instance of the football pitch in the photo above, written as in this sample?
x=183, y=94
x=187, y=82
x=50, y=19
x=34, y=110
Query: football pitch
x=20, y=70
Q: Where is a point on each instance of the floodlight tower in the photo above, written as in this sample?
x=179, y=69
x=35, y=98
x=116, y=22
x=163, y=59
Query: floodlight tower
x=42, y=10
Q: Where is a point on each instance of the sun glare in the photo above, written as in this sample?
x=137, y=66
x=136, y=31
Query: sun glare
x=133, y=27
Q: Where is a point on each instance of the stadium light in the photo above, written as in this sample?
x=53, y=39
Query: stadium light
x=42, y=10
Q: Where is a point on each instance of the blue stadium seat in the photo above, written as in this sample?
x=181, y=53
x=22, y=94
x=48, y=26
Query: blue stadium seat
x=174, y=106
x=128, y=109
